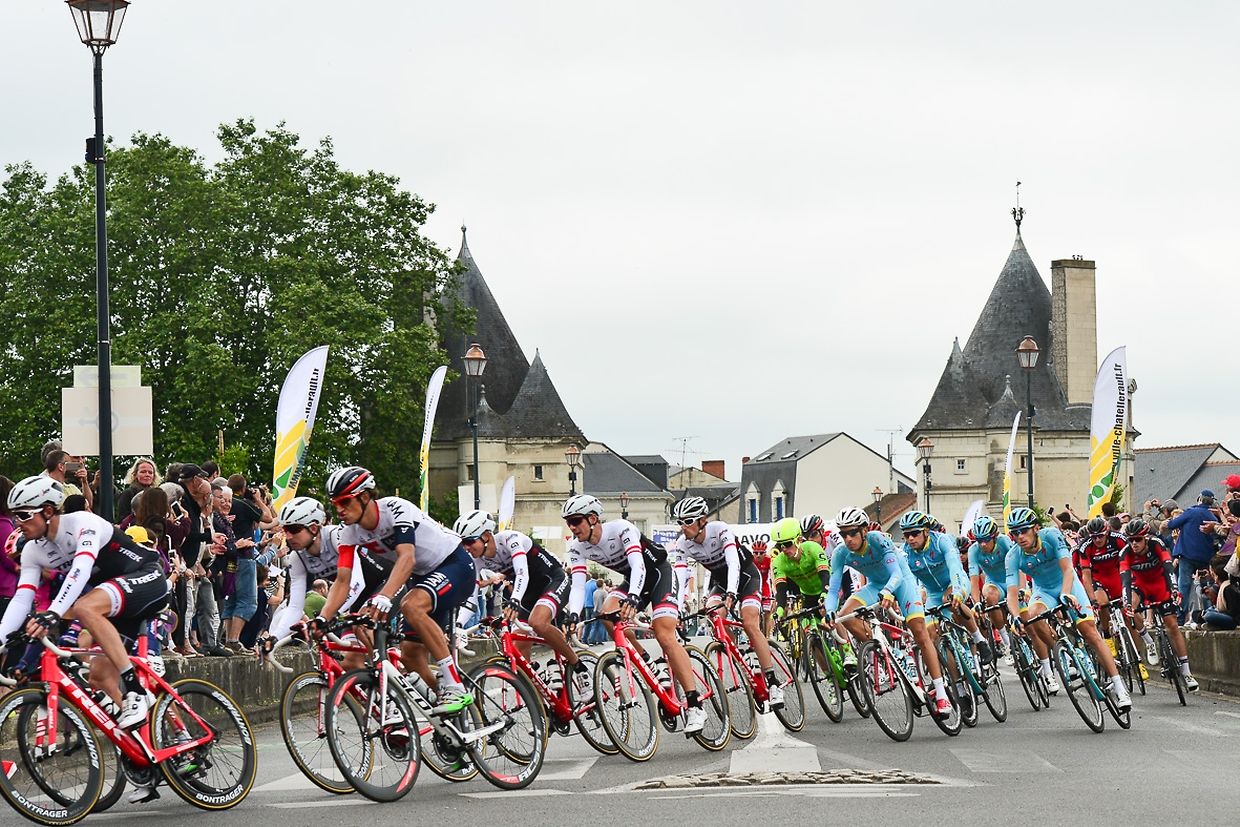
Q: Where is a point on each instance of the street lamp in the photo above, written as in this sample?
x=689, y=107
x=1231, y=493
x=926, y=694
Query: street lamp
x=877, y=494
x=573, y=455
x=99, y=24
x=624, y=505
x=924, y=449
x=1027, y=353
x=475, y=363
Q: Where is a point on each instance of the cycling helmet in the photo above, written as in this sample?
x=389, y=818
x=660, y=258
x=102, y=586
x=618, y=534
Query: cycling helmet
x=349, y=482
x=581, y=504
x=1096, y=526
x=984, y=528
x=473, y=525
x=811, y=523
x=302, y=511
x=690, y=508
x=1137, y=528
x=786, y=530
x=915, y=520
x=852, y=518
x=36, y=492
x=1022, y=517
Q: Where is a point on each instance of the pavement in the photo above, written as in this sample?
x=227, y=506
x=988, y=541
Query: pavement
x=1042, y=767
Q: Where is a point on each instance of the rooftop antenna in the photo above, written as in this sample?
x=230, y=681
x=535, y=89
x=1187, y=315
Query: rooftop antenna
x=891, y=451
x=1018, y=212
x=684, y=447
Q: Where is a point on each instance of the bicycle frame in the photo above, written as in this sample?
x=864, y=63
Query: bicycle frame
x=635, y=663
x=557, y=702
x=953, y=634
x=724, y=631
x=889, y=637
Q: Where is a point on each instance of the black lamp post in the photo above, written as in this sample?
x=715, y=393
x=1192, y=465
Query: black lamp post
x=624, y=505
x=475, y=363
x=877, y=494
x=573, y=457
x=99, y=24
x=1027, y=353
x=924, y=449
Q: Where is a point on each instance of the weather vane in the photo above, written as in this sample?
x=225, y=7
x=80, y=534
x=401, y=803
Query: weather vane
x=1018, y=212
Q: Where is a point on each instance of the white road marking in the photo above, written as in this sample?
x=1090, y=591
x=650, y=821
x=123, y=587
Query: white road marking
x=978, y=760
x=506, y=794
x=1229, y=714
x=351, y=801
x=1195, y=729
x=296, y=781
x=565, y=769
x=804, y=791
x=774, y=750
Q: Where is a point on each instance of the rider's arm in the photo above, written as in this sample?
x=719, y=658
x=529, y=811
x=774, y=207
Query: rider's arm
x=340, y=589
x=680, y=567
x=839, y=559
x=577, y=568
x=520, y=571
x=23, y=601
x=975, y=573
x=1069, y=576
x=1126, y=577
x=1012, y=563
x=891, y=559
x=283, y=620
x=959, y=580
x=402, y=570
x=781, y=593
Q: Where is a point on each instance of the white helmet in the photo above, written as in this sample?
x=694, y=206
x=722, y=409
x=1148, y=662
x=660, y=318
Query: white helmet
x=303, y=511
x=473, y=524
x=36, y=492
x=582, y=504
x=851, y=517
x=690, y=508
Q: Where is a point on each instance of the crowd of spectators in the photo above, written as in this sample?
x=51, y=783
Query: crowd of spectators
x=217, y=537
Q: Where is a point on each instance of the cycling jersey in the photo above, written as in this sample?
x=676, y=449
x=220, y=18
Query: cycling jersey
x=304, y=568
x=718, y=552
x=992, y=565
x=400, y=521
x=89, y=551
x=619, y=548
x=1103, y=563
x=1149, y=572
x=881, y=563
x=521, y=560
x=937, y=567
x=810, y=572
x=1042, y=567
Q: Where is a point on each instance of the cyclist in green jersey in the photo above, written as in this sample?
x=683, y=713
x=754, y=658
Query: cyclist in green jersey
x=800, y=567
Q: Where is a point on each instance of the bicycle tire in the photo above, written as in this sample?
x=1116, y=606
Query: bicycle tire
x=878, y=680
x=113, y=777
x=1172, y=662
x=995, y=696
x=521, y=674
x=585, y=715
x=954, y=722
x=823, y=681
x=512, y=757
x=77, y=753
x=717, y=731
x=1126, y=660
x=308, y=693
x=626, y=707
x=382, y=758
x=215, y=762
x=742, y=710
x=1087, y=706
x=1026, y=672
x=962, y=654
x=792, y=713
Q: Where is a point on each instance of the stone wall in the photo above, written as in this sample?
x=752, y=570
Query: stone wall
x=1215, y=658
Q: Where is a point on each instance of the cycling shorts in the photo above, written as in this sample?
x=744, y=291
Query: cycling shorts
x=1154, y=590
x=748, y=590
x=658, y=593
x=908, y=598
x=1050, y=599
x=139, y=595
x=1111, y=583
x=449, y=585
x=551, y=592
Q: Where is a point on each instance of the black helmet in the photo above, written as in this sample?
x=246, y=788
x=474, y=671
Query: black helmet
x=1136, y=528
x=1096, y=526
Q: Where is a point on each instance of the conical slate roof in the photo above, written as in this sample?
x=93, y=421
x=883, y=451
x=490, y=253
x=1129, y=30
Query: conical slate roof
x=975, y=378
x=538, y=410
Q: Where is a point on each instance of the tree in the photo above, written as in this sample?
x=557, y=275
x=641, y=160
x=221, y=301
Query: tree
x=221, y=277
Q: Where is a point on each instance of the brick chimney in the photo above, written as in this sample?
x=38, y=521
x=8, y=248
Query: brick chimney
x=714, y=467
x=1074, y=328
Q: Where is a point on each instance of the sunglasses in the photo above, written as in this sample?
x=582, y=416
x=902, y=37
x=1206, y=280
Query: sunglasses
x=340, y=502
x=574, y=521
x=689, y=521
x=1019, y=531
x=785, y=544
x=915, y=533
x=1136, y=539
x=294, y=529
x=851, y=532
x=25, y=516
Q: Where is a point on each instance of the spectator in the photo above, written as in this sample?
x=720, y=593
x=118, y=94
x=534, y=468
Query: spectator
x=212, y=468
x=142, y=475
x=1225, y=613
x=271, y=587
x=1193, y=547
x=602, y=589
x=587, y=608
x=238, y=584
x=315, y=598
x=199, y=597
x=68, y=472
x=10, y=569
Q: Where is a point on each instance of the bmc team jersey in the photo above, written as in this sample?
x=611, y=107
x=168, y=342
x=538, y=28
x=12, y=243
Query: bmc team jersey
x=883, y=566
x=1103, y=563
x=937, y=566
x=802, y=572
x=89, y=551
x=718, y=553
x=992, y=565
x=521, y=560
x=400, y=521
x=620, y=549
x=1149, y=572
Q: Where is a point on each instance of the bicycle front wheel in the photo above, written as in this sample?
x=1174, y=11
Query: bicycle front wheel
x=742, y=713
x=380, y=757
x=218, y=774
x=1172, y=664
x=792, y=713
x=56, y=782
x=626, y=707
x=717, y=731
x=511, y=755
x=1027, y=671
x=886, y=695
x=996, y=696
x=586, y=715
x=821, y=674
x=1072, y=676
x=113, y=777
x=303, y=725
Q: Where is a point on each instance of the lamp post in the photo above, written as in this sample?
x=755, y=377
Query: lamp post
x=877, y=494
x=98, y=25
x=924, y=449
x=573, y=456
x=624, y=505
x=1027, y=353
x=475, y=363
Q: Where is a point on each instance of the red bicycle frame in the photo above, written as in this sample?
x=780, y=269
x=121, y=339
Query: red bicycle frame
x=724, y=631
x=635, y=663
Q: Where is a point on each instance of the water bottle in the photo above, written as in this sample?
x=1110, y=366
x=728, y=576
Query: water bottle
x=105, y=701
x=751, y=660
x=413, y=683
x=661, y=672
x=906, y=663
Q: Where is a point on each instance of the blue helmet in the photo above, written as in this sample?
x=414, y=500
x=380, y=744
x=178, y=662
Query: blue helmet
x=915, y=520
x=1022, y=517
x=985, y=528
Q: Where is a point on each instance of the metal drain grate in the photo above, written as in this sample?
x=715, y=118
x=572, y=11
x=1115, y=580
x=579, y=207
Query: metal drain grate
x=756, y=779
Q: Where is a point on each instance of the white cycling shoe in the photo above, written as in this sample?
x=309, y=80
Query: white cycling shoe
x=775, y=695
x=1151, y=654
x=1052, y=684
x=135, y=707
x=695, y=720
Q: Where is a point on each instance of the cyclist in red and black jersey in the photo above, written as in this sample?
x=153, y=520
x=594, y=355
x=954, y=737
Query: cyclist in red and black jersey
x=762, y=561
x=1098, y=557
x=1146, y=567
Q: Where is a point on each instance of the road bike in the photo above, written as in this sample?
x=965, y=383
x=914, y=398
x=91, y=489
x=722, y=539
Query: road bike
x=820, y=660
x=196, y=740
x=629, y=696
x=1168, y=661
x=1078, y=669
x=1127, y=658
x=974, y=679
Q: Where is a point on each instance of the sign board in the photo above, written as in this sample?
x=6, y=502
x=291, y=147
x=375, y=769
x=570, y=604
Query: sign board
x=488, y=497
x=123, y=376
x=132, y=421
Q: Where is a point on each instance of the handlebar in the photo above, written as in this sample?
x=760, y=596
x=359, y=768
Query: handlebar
x=614, y=617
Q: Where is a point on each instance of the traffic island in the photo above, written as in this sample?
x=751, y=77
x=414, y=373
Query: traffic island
x=762, y=779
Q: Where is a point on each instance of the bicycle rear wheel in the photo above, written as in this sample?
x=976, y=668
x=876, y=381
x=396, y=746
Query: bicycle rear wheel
x=821, y=674
x=380, y=755
x=54, y=783
x=995, y=695
x=626, y=707
x=511, y=756
x=1072, y=675
x=886, y=694
x=952, y=723
x=792, y=713
x=717, y=731
x=113, y=777
x=1027, y=672
x=742, y=712
x=303, y=728
x=1126, y=661
x=219, y=774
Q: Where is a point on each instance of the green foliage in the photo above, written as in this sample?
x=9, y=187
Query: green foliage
x=445, y=509
x=1117, y=496
x=234, y=460
x=221, y=277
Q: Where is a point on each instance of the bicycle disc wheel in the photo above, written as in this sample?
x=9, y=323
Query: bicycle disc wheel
x=585, y=714
x=742, y=712
x=53, y=784
x=885, y=693
x=717, y=731
x=380, y=756
x=512, y=754
x=303, y=725
x=821, y=676
x=953, y=722
x=1071, y=676
x=792, y=714
x=219, y=774
x=626, y=708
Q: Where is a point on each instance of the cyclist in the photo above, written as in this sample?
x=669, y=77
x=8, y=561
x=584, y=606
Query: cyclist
x=1098, y=558
x=934, y=559
x=648, y=579
x=112, y=586
x=1146, y=566
x=436, y=575
x=801, y=568
x=539, y=585
x=872, y=554
x=1043, y=554
x=987, y=559
x=762, y=561
x=733, y=578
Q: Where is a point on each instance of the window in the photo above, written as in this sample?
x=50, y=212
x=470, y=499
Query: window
x=789, y=455
x=538, y=472
x=779, y=508
x=763, y=458
x=753, y=510
x=1022, y=462
x=469, y=472
x=960, y=466
x=779, y=501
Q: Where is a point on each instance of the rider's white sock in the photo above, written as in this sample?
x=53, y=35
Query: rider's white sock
x=1118, y=683
x=1046, y=666
x=940, y=688
x=978, y=637
x=1007, y=641
x=1184, y=667
x=449, y=678
x=1145, y=636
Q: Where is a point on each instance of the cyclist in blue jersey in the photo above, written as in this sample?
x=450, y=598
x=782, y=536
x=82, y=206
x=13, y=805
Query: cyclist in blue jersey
x=987, y=558
x=1043, y=554
x=889, y=582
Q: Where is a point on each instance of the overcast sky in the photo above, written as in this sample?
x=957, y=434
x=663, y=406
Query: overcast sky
x=734, y=221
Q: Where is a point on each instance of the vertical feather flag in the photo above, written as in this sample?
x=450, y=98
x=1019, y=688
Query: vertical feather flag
x=507, y=504
x=1107, y=429
x=432, y=405
x=1007, y=471
x=295, y=412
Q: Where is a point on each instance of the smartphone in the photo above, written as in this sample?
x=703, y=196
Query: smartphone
x=71, y=468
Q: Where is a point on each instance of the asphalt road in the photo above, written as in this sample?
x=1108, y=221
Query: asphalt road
x=1044, y=767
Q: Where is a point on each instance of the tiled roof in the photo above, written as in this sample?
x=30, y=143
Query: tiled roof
x=1176, y=472
x=793, y=448
x=538, y=410
x=606, y=472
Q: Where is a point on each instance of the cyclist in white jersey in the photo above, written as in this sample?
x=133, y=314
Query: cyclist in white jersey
x=734, y=578
x=617, y=544
x=436, y=575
